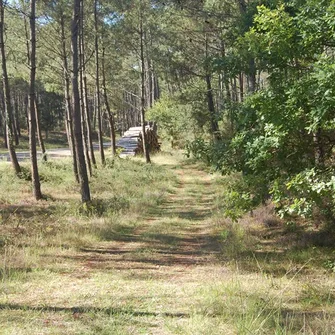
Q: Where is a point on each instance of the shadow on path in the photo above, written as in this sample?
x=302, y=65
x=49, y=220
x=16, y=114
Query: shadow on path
x=90, y=309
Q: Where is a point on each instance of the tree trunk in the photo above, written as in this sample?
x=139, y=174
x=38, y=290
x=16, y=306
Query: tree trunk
x=82, y=100
x=211, y=109
x=252, y=76
x=210, y=99
x=39, y=132
x=156, y=88
x=84, y=184
x=7, y=101
x=26, y=104
x=86, y=111
x=2, y=116
x=68, y=107
x=97, y=84
x=37, y=119
x=234, y=90
x=14, y=129
x=241, y=84
x=32, y=115
x=152, y=86
x=5, y=137
x=83, y=127
x=147, y=79
x=110, y=114
x=143, y=93
x=17, y=122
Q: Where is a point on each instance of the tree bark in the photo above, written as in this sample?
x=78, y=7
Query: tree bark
x=32, y=115
x=14, y=130
x=210, y=99
x=211, y=109
x=83, y=126
x=17, y=122
x=7, y=100
x=241, y=84
x=252, y=81
x=97, y=84
x=251, y=74
x=39, y=132
x=82, y=169
x=37, y=119
x=156, y=88
x=143, y=92
x=234, y=90
x=68, y=107
x=83, y=121
x=110, y=114
x=86, y=111
x=82, y=99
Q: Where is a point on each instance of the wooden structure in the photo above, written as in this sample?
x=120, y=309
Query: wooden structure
x=131, y=141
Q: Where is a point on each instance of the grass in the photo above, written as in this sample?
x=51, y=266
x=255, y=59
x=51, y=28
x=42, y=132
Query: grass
x=152, y=254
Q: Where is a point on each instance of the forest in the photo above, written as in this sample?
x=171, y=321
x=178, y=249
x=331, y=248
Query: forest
x=230, y=228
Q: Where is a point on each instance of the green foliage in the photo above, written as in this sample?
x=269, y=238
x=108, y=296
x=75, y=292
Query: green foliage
x=329, y=264
x=194, y=95
x=240, y=195
x=173, y=119
x=100, y=207
x=306, y=193
x=235, y=204
x=51, y=110
x=199, y=149
x=25, y=174
x=284, y=133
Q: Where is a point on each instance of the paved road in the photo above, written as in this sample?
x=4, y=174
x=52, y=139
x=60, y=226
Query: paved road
x=24, y=155
x=128, y=142
x=52, y=153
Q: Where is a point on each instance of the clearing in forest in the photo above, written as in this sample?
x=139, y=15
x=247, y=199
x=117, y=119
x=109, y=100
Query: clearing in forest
x=153, y=255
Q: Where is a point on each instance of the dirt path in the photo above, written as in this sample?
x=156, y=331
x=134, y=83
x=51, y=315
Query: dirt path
x=144, y=281
x=174, y=238
x=179, y=268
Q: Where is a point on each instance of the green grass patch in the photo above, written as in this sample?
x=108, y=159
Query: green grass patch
x=153, y=254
